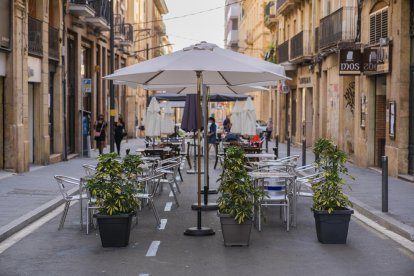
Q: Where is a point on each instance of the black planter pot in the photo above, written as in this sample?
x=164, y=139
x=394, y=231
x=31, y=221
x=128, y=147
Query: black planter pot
x=114, y=230
x=235, y=234
x=332, y=228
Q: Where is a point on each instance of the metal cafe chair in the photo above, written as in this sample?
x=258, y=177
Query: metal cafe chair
x=62, y=182
x=170, y=173
x=151, y=187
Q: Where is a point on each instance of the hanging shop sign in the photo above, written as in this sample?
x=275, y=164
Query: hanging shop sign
x=376, y=60
x=86, y=86
x=350, y=62
x=305, y=81
x=391, y=120
x=283, y=87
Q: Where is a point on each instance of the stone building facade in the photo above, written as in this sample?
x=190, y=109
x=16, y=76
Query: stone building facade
x=53, y=57
x=349, y=63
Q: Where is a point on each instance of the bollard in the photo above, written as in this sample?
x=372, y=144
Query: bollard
x=127, y=151
x=303, y=152
x=384, y=161
x=267, y=142
x=288, y=146
x=275, y=151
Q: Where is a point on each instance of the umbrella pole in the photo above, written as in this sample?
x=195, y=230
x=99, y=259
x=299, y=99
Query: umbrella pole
x=207, y=206
x=199, y=230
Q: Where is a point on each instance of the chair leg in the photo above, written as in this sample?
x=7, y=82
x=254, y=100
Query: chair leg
x=287, y=215
x=176, y=185
x=65, y=212
x=157, y=217
x=173, y=191
x=181, y=176
x=87, y=220
x=259, y=221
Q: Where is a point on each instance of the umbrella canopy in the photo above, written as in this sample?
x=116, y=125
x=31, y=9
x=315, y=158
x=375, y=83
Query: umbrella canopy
x=248, y=119
x=172, y=97
x=236, y=119
x=192, y=89
x=189, y=121
x=218, y=67
x=153, y=119
x=167, y=124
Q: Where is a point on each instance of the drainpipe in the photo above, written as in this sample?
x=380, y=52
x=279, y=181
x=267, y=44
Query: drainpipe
x=411, y=104
x=65, y=148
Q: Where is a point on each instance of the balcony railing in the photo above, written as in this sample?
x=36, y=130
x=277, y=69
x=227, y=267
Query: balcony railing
x=35, y=37
x=283, y=52
x=129, y=35
x=119, y=27
x=284, y=6
x=102, y=10
x=53, y=43
x=81, y=8
x=338, y=26
x=270, y=14
x=300, y=45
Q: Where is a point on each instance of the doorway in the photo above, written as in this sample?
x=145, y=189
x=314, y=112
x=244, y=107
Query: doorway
x=308, y=124
x=293, y=112
x=71, y=95
x=380, y=118
x=2, y=124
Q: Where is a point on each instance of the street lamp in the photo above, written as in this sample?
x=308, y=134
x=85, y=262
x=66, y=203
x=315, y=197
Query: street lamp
x=111, y=82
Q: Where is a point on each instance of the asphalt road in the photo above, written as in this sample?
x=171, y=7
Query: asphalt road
x=273, y=251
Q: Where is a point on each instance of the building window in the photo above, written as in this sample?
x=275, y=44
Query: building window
x=378, y=25
x=234, y=24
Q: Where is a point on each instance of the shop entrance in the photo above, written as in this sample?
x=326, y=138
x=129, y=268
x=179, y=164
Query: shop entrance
x=31, y=122
x=380, y=118
x=308, y=122
x=2, y=123
x=71, y=95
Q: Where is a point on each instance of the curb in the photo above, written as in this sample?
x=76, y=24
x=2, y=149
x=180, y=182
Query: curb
x=383, y=219
x=18, y=224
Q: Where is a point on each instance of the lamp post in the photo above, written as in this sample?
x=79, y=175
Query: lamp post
x=111, y=82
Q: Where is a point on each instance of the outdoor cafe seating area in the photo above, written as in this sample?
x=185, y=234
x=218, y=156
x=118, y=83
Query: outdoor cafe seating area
x=164, y=170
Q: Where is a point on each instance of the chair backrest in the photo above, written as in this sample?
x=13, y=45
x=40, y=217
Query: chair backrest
x=89, y=169
x=62, y=180
x=152, y=182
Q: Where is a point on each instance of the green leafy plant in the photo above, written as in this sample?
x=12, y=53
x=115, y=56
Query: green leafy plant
x=328, y=191
x=115, y=184
x=239, y=196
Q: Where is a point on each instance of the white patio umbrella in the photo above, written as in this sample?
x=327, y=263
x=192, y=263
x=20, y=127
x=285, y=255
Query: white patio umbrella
x=213, y=89
x=203, y=63
x=248, y=118
x=153, y=119
x=236, y=119
x=167, y=124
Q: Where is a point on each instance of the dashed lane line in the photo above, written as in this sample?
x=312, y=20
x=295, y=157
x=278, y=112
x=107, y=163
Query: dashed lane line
x=171, y=194
x=168, y=206
x=163, y=224
x=152, y=250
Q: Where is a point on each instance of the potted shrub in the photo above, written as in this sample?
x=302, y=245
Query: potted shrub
x=330, y=204
x=114, y=186
x=238, y=199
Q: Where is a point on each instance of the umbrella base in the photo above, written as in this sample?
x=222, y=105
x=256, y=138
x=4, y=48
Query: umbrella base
x=193, y=171
x=198, y=232
x=205, y=207
x=210, y=192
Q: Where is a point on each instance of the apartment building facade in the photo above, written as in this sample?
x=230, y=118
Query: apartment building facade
x=349, y=63
x=53, y=57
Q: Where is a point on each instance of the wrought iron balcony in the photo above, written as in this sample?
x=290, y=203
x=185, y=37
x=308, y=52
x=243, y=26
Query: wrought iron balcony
x=119, y=27
x=300, y=46
x=285, y=6
x=81, y=8
x=102, y=18
x=53, y=43
x=283, y=52
x=129, y=35
x=35, y=37
x=316, y=39
x=232, y=37
x=270, y=14
x=338, y=26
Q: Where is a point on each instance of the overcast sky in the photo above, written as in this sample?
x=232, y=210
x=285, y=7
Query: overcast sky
x=189, y=30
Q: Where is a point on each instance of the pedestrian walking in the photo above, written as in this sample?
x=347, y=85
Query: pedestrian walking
x=269, y=128
x=100, y=132
x=227, y=124
x=119, y=133
x=141, y=128
x=212, y=134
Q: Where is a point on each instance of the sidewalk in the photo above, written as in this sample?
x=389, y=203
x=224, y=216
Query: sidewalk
x=26, y=197
x=365, y=195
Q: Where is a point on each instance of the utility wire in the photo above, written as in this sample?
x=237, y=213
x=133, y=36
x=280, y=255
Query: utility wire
x=189, y=14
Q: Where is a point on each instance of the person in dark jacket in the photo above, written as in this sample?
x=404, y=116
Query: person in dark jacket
x=119, y=133
x=100, y=132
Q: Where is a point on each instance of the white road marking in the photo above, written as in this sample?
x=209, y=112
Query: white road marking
x=407, y=244
x=143, y=274
x=171, y=194
x=168, y=206
x=152, y=250
x=163, y=224
x=15, y=238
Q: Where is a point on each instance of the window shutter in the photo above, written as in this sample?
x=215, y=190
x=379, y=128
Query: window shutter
x=378, y=26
